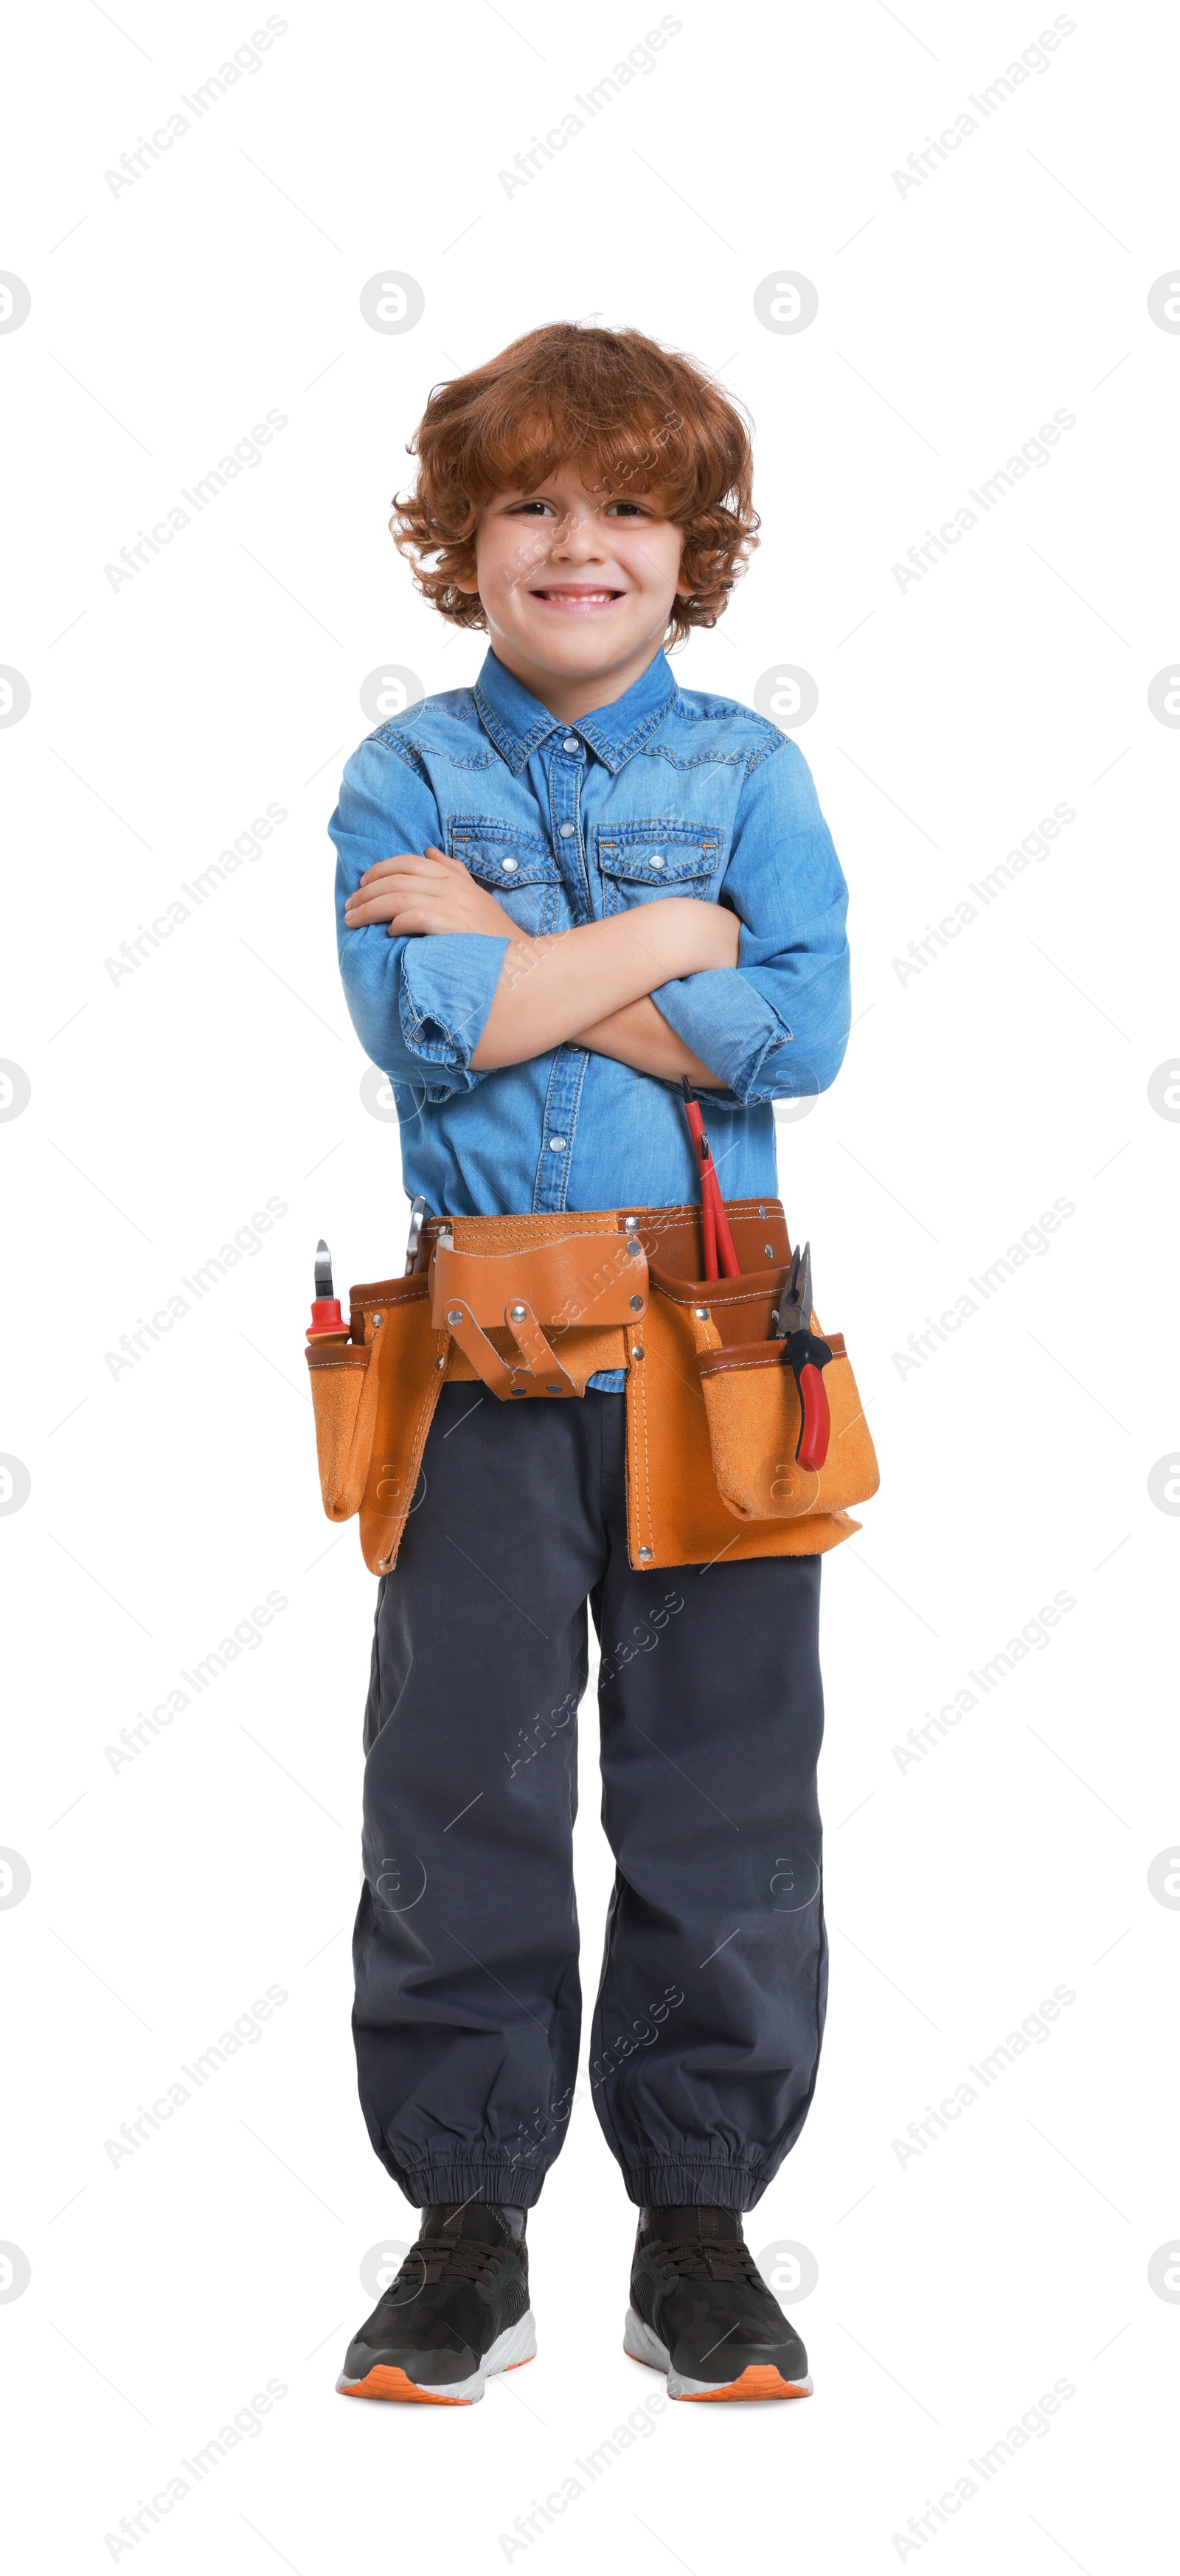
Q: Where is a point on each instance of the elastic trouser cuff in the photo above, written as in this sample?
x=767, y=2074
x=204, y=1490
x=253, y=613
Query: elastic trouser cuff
x=507, y=2185
x=697, y=2184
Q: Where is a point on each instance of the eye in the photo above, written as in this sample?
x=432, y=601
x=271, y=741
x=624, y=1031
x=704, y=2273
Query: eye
x=634, y=506
x=522, y=509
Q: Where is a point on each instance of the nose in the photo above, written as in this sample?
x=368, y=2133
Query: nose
x=576, y=538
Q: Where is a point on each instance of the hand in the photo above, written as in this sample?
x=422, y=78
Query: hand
x=425, y=894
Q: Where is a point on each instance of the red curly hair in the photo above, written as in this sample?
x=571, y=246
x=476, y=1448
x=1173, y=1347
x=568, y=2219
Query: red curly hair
x=641, y=419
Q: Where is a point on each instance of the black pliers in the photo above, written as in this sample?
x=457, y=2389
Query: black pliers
x=807, y=1356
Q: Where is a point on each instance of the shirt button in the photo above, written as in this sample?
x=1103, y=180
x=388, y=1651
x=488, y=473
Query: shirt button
x=509, y=866
x=657, y=859
x=567, y=831
x=557, y=1144
x=571, y=743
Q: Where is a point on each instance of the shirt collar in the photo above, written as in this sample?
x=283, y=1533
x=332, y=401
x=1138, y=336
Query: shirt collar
x=518, y=723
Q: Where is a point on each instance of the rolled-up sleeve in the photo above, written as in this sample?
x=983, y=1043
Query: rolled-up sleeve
x=774, y=1026
x=418, y=1005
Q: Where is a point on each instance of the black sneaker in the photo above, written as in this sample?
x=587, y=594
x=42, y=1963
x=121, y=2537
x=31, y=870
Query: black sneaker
x=701, y=2311
x=457, y=2311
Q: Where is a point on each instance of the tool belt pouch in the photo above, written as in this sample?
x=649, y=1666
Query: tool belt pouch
x=373, y=1392
x=343, y=1396
x=713, y=1414
x=752, y=1405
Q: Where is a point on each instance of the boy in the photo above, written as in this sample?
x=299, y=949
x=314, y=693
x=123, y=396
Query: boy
x=561, y=893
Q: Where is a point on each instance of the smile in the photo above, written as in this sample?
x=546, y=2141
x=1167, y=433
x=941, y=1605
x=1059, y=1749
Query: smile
x=576, y=601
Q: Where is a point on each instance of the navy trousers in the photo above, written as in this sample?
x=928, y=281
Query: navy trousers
x=707, y=2027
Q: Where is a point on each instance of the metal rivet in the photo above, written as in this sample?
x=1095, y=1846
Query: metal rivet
x=441, y=1361
x=768, y=1249
x=633, y=1247
x=636, y=1305
x=636, y=1352
x=376, y=1321
x=518, y=1390
x=645, y=1553
x=454, y=1314
x=630, y=1223
x=553, y=1390
x=701, y=1313
x=761, y=1211
x=518, y=1313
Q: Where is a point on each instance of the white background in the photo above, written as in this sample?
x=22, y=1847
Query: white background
x=165, y=1108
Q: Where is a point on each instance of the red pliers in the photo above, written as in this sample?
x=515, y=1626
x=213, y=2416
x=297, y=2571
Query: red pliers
x=718, y=1239
x=808, y=1356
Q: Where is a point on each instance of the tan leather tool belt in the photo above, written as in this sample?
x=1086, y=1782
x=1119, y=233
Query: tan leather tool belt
x=535, y=1306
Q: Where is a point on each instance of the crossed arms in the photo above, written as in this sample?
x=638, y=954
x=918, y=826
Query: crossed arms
x=589, y=987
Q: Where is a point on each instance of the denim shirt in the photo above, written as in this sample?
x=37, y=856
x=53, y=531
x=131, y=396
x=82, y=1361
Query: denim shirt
x=667, y=791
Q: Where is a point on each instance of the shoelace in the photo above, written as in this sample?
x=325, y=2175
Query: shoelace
x=712, y=2258
x=462, y=2258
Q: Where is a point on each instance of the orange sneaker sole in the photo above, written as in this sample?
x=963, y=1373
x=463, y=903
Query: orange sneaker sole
x=388, y=2381
x=761, y=2379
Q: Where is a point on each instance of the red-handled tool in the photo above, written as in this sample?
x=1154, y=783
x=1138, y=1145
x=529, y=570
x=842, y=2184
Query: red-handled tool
x=808, y=1356
x=326, y=1317
x=718, y=1239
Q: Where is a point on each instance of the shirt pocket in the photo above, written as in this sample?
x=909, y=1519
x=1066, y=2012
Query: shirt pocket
x=517, y=867
x=640, y=862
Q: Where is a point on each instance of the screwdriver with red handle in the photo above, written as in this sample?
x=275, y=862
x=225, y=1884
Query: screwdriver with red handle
x=718, y=1239
x=327, y=1322
x=808, y=1357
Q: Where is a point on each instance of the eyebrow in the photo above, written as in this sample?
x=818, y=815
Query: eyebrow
x=604, y=492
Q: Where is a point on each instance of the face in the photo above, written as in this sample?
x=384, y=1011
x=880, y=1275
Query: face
x=577, y=585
